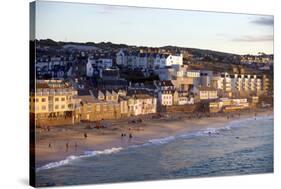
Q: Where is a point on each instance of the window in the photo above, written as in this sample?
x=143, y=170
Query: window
x=43, y=99
x=104, y=107
x=57, y=107
x=36, y=99
x=43, y=107
x=56, y=99
x=89, y=108
x=97, y=108
x=62, y=99
x=62, y=106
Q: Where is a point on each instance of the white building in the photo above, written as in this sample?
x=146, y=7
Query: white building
x=182, y=100
x=241, y=84
x=165, y=97
x=207, y=93
x=89, y=69
x=166, y=92
x=121, y=58
x=176, y=59
x=100, y=62
x=193, y=73
x=141, y=104
x=147, y=60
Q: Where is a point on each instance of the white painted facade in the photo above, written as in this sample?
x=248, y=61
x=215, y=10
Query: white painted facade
x=142, y=105
x=182, y=100
x=208, y=94
x=147, y=60
x=100, y=63
x=193, y=73
x=165, y=98
x=238, y=83
x=174, y=60
x=89, y=69
x=121, y=58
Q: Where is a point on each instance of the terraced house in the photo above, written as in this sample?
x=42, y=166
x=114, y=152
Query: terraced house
x=93, y=109
x=243, y=85
x=54, y=101
x=149, y=61
x=141, y=104
x=99, y=105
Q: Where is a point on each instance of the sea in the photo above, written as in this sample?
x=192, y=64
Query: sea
x=242, y=146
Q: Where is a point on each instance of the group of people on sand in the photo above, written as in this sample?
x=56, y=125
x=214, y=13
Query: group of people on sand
x=124, y=134
x=67, y=146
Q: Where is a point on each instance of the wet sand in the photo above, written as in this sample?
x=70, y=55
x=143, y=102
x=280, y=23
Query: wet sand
x=62, y=141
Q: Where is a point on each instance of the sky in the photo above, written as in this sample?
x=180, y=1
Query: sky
x=226, y=32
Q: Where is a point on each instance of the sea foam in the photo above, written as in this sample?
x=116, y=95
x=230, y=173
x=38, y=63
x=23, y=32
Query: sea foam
x=72, y=158
x=162, y=140
x=159, y=141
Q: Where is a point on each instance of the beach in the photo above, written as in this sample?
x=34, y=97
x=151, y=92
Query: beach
x=58, y=143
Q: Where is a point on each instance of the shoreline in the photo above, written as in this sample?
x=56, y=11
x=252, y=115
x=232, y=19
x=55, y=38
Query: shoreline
x=68, y=141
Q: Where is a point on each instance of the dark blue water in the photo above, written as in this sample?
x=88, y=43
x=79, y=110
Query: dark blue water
x=241, y=147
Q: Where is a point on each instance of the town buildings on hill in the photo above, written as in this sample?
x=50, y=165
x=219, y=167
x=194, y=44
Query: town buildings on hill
x=96, y=84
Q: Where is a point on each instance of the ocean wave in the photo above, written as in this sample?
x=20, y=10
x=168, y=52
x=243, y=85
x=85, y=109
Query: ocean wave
x=103, y=152
x=158, y=141
x=162, y=140
x=207, y=131
x=72, y=158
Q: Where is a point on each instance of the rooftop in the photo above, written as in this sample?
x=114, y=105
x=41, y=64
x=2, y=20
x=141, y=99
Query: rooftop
x=204, y=88
x=53, y=85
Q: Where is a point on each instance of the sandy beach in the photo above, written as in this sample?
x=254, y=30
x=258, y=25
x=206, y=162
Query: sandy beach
x=59, y=142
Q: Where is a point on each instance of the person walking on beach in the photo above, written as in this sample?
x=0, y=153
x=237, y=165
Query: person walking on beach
x=50, y=145
x=85, y=135
x=75, y=145
x=130, y=136
x=66, y=146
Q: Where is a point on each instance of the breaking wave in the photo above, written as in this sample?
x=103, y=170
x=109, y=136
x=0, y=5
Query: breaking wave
x=72, y=158
x=159, y=141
